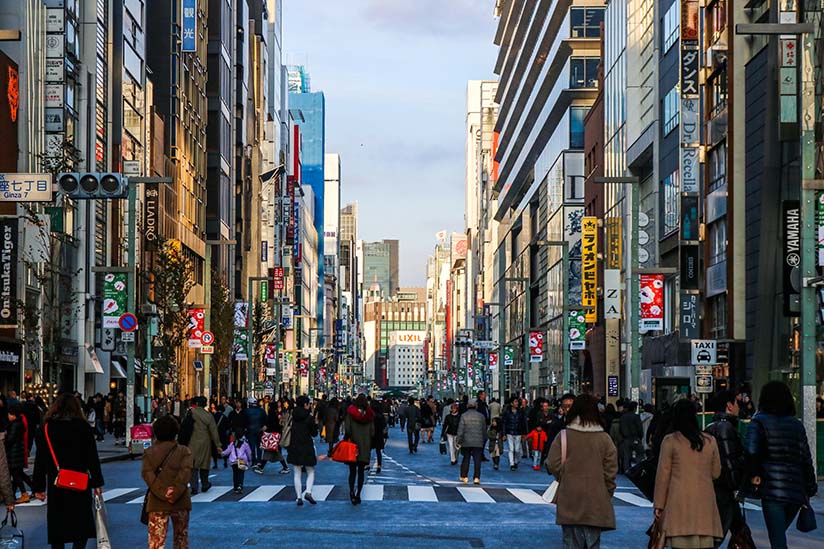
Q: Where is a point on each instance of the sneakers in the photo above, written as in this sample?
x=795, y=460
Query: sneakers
x=238, y=490
x=455, y=462
x=257, y=470
x=476, y=481
x=536, y=468
x=495, y=466
x=284, y=471
x=512, y=467
x=300, y=502
x=308, y=497
x=24, y=498
x=465, y=480
x=206, y=486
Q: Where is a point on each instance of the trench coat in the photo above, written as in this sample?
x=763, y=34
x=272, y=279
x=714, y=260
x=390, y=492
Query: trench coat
x=203, y=436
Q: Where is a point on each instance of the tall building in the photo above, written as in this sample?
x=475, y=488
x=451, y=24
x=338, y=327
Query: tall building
x=380, y=264
x=380, y=318
x=406, y=366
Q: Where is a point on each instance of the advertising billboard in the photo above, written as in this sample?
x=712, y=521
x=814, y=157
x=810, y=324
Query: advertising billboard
x=652, y=301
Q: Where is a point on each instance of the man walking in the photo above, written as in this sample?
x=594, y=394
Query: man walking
x=204, y=434
x=412, y=417
x=632, y=431
x=255, y=422
x=471, y=439
x=724, y=428
x=514, y=425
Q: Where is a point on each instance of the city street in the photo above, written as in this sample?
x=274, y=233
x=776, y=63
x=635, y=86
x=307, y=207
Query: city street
x=415, y=501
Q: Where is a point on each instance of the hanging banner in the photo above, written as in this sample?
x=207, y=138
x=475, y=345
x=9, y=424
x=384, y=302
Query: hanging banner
x=304, y=367
x=240, y=345
x=612, y=293
x=197, y=318
x=271, y=353
x=791, y=256
x=151, y=209
x=241, y=314
x=577, y=331
x=114, y=298
x=589, y=268
x=819, y=217
x=189, y=26
x=493, y=361
x=652, y=301
x=536, y=346
x=690, y=25
x=509, y=357
x=689, y=315
x=8, y=272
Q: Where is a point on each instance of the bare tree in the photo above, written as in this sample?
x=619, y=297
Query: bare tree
x=222, y=324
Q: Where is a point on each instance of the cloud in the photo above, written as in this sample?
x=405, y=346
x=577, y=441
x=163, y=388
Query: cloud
x=432, y=17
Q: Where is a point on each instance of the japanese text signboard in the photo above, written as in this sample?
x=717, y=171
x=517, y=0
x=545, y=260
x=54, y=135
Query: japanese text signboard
x=25, y=187
x=189, y=27
x=589, y=268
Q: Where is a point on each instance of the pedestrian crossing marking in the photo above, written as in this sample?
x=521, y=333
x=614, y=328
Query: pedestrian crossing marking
x=321, y=491
x=475, y=495
x=372, y=492
x=422, y=493
x=262, y=493
x=213, y=493
x=637, y=501
x=527, y=496
x=116, y=492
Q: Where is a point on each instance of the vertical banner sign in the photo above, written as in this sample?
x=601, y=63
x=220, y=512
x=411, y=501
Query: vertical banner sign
x=189, y=27
x=819, y=218
x=264, y=251
x=196, y=327
x=536, y=346
x=8, y=272
x=278, y=278
x=689, y=267
x=689, y=311
x=689, y=218
x=577, y=331
x=509, y=357
x=296, y=246
x=493, y=361
x=151, y=205
x=271, y=353
x=589, y=268
x=241, y=336
x=791, y=256
x=690, y=169
x=114, y=298
x=612, y=293
x=689, y=22
x=652, y=302
x=264, y=291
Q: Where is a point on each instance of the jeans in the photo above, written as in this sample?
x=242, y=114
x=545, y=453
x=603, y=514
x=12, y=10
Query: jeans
x=477, y=455
x=159, y=526
x=413, y=436
x=99, y=428
x=778, y=516
x=450, y=445
x=536, y=458
x=514, y=443
x=310, y=480
x=581, y=537
x=237, y=476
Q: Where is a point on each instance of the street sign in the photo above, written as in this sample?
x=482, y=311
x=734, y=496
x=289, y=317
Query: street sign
x=703, y=369
x=127, y=322
x=207, y=338
x=704, y=351
x=25, y=187
x=703, y=384
x=128, y=337
x=198, y=364
x=207, y=349
x=485, y=345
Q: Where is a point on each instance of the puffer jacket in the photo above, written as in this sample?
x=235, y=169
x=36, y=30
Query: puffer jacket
x=471, y=430
x=514, y=423
x=450, y=425
x=724, y=428
x=778, y=452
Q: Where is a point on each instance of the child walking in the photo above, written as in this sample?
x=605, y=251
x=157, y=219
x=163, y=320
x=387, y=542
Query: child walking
x=537, y=440
x=496, y=442
x=240, y=456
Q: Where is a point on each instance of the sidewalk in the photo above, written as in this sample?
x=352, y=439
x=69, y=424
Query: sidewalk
x=106, y=449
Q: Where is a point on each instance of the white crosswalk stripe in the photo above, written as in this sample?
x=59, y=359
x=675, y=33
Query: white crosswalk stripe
x=633, y=499
x=116, y=492
x=263, y=493
x=475, y=495
x=527, y=496
x=372, y=492
x=422, y=493
x=213, y=493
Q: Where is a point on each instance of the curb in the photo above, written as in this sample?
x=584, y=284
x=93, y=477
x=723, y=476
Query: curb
x=118, y=457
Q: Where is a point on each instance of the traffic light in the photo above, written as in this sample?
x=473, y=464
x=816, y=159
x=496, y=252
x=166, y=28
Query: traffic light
x=89, y=186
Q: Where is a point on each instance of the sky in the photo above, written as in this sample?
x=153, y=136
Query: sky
x=394, y=73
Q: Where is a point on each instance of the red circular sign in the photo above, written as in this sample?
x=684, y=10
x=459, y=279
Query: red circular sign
x=207, y=338
x=127, y=322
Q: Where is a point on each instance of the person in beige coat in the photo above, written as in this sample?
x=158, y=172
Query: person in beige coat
x=684, y=492
x=586, y=477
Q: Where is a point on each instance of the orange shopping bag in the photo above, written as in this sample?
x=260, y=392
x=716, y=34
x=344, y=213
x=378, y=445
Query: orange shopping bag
x=345, y=452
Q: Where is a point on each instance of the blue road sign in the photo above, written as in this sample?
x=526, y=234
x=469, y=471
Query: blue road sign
x=127, y=322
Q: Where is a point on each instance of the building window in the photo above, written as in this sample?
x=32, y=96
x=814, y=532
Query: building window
x=718, y=241
x=672, y=25
x=672, y=200
x=576, y=127
x=672, y=113
x=718, y=316
x=718, y=93
x=583, y=72
x=717, y=19
x=717, y=163
x=586, y=22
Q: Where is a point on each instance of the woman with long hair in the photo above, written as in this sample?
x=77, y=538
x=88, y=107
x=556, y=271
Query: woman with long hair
x=779, y=461
x=66, y=442
x=359, y=427
x=585, y=462
x=684, y=492
x=301, y=448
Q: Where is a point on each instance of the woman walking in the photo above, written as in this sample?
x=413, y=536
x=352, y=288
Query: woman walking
x=359, y=427
x=449, y=430
x=67, y=442
x=16, y=453
x=684, y=492
x=167, y=467
x=273, y=425
x=585, y=462
x=331, y=423
x=381, y=433
x=301, y=448
x=779, y=461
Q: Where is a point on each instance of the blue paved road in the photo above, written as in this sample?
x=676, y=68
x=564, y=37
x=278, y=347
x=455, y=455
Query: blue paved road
x=416, y=501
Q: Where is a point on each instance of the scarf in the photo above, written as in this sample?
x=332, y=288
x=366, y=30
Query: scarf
x=361, y=416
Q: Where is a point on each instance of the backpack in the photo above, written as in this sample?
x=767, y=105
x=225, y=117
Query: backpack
x=187, y=429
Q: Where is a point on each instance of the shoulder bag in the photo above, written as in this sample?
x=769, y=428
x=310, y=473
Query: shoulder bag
x=642, y=475
x=66, y=478
x=740, y=534
x=144, y=512
x=806, y=518
x=345, y=452
x=552, y=490
x=270, y=441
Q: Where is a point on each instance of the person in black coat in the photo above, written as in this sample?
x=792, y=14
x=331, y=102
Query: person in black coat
x=224, y=430
x=381, y=433
x=16, y=453
x=301, y=450
x=69, y=514
x=779, y=461
x=724, y=428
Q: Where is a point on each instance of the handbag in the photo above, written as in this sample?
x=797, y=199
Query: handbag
x=806, y=519
x=11, y=537
x=551, y=492
x=657, y=537
x=270, y=441
x=345, y=452
x=241, y=464
x=642, y=475
x=740, y=534
x=144, y=511
x=101, y=523
x=66, y=478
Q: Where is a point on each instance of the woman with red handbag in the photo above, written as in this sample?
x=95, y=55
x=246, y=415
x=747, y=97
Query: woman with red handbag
x=359, y=427
x=301, y=449
x=67, y=465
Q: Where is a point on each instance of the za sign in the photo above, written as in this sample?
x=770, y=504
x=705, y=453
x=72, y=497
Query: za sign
x=25, y=187
x=704, y=351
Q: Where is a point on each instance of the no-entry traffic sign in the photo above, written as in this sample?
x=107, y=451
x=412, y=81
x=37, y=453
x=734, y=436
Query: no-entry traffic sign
x=207, y=338
x=127, y=322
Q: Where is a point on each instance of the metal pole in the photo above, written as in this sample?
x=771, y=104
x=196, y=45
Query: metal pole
x=207, y=320
x=565, y=352
x=634, y=291
x=131, y=298
x=250, y=335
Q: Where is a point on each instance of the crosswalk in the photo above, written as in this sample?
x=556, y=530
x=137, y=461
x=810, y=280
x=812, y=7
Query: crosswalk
x=371, y=492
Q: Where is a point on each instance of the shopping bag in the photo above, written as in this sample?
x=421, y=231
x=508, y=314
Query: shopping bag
x=11, y=537
x=345, y=452
x=642, y=475
x=101, y=523
x=549, y=493
x=270, y=441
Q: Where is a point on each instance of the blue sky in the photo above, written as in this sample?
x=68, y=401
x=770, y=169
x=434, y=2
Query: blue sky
x=394, y=73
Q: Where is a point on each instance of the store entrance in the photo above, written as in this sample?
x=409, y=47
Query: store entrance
x=670, y=389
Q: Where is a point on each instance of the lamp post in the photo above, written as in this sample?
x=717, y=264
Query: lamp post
x=809, y=187
x=250, y=346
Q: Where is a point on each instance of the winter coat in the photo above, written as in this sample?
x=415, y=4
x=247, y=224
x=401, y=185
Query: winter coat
x=359, y=426
x=684, y=487
x=331, y=423
x=411, y=416
x=494, y=410
x=471, y=430
x=631, y=427
x=514, y=423
x=176, y=472
x=15, y=445
x=450, y=425
x=204, y=435
x=68, y=513
x=381, y=433
x=301, y=447
x=724, y=428
x=483, y=409
x=537, y=440
x=778, y=452
x=587, y=478
x=6, y=492
x=234, y=453
x=496, y=442
x=255, y=420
